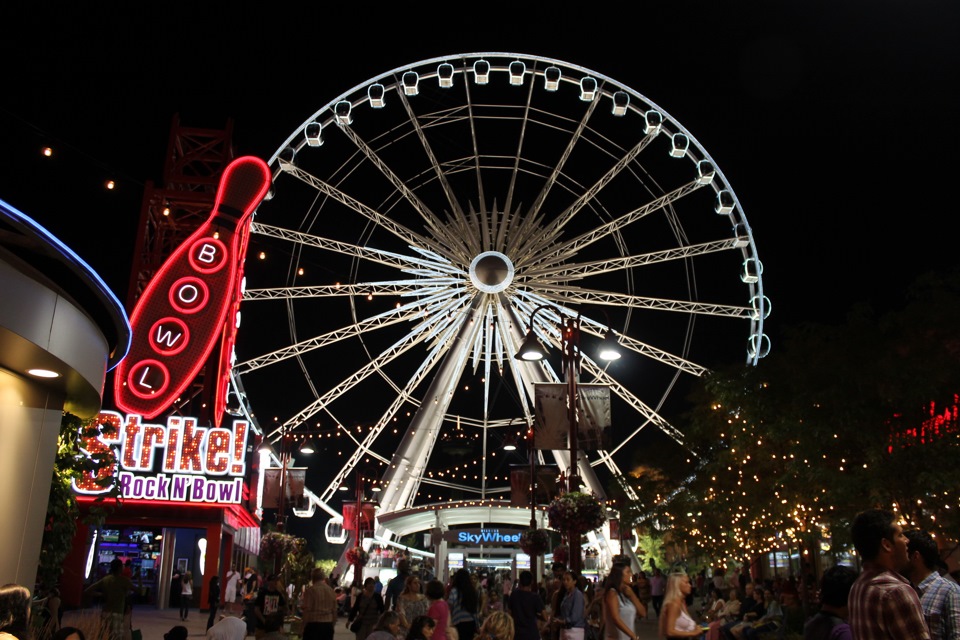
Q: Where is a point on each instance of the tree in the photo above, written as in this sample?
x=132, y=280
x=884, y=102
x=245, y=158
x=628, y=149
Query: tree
x=63, y=512
x=839, y=419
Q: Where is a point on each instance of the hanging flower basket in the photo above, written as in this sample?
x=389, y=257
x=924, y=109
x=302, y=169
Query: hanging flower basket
x=277, y=545
x=534, y=542
x=575, y=511
x=357, y=556
x=561, y=554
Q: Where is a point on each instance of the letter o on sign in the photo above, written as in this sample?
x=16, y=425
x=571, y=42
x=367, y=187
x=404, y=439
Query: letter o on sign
x=189, y=295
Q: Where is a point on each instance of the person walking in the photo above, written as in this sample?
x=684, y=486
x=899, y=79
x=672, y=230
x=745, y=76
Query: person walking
x=186, y=595
x=572, y=610
x=939, y=597
x=114, y=589
x=830, y=623
x=213, y=600
x=410, y=604
x=366, y=610
x=271, y=607
x=526, y=607
x=387, y=625
x=676, y=621
x=882, y=603
x=15, y=612
x=318, y=606
x=620, y=604
x=658, y=584
x=232, y=591
x=439, y=610
x=464, y=602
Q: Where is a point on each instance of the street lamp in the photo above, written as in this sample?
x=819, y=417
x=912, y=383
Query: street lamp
x=531, y=351
x=286, y=443
x=358, y=522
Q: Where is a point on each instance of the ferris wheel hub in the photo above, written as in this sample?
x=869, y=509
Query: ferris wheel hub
x=491, y=272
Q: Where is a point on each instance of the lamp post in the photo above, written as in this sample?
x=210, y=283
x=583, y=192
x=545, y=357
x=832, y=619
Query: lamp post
x=571, y=357
x=286, y=442
x=358, y=530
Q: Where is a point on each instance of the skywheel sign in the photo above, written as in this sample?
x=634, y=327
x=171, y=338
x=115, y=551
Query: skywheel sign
x=177, y=462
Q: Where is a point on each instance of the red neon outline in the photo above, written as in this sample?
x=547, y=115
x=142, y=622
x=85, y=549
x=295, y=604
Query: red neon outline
x=167, y=503
x=169, y=352
x=207, y=269
x=204, y=292
x=210, y=327
x=139, y=365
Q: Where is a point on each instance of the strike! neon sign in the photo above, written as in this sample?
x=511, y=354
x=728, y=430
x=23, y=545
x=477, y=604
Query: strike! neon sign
x=193, y=301
x=199, y=464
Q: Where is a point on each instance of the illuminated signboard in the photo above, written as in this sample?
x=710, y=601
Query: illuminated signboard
x=193, y=302
x=486, y=536
x=197, y=464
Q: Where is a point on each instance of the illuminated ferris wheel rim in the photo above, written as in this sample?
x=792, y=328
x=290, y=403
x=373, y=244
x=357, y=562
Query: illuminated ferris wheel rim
x=758, y=343
x=339, y=111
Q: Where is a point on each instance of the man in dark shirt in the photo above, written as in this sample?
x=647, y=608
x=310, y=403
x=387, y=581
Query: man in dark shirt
x=271, y=606
x=396, y=585
x=526, y=607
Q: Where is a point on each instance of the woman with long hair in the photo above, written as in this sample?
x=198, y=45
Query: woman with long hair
x=387, y=627
x=15, y=611
x=464, y=605
x=411, y=604
x=186, y=595
x=497, y=626
x=620, y=604
x=675, y=620
x=422, y=628
x=439, y=610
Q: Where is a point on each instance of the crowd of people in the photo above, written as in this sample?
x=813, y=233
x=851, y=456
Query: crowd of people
x=899, y=594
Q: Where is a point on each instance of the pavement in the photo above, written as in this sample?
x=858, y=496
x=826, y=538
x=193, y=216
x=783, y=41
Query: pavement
x=153, y=623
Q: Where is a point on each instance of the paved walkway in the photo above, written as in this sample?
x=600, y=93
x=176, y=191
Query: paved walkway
x=153, y=623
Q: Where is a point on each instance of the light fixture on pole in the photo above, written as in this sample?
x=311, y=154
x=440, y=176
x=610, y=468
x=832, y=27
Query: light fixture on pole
x=531, y=351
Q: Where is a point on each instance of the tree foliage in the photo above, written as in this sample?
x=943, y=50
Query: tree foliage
x=63, y=512
x=838, y=419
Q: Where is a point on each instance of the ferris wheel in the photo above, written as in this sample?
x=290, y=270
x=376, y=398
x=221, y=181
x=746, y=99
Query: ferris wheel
x=421, y=223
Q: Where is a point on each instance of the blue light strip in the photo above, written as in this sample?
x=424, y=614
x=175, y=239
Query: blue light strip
x=25, y=221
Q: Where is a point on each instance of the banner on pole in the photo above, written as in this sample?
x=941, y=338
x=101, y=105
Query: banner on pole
x=294, y=484
x=547, y=484
x=553, y=426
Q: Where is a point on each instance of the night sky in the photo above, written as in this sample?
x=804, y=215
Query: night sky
x=835, y=122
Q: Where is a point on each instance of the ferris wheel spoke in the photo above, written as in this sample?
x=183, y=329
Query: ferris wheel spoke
x=569, y=272
x=428, y=149
x=384, y=288
x=414, y=337
x=518, y=155
x=598, y=329
x=651, y=416
x=405, y=313
x=576, y=295
x=451, y=241
x=528, y=228
x=561, y=221
x=410, y=264
x=400, y=231
x=573, y=246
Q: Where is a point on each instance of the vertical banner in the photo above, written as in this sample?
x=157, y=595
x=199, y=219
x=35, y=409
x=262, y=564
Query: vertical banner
x=547, y=484
x=551, y=420
x=367, y=515
x=294, y=484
